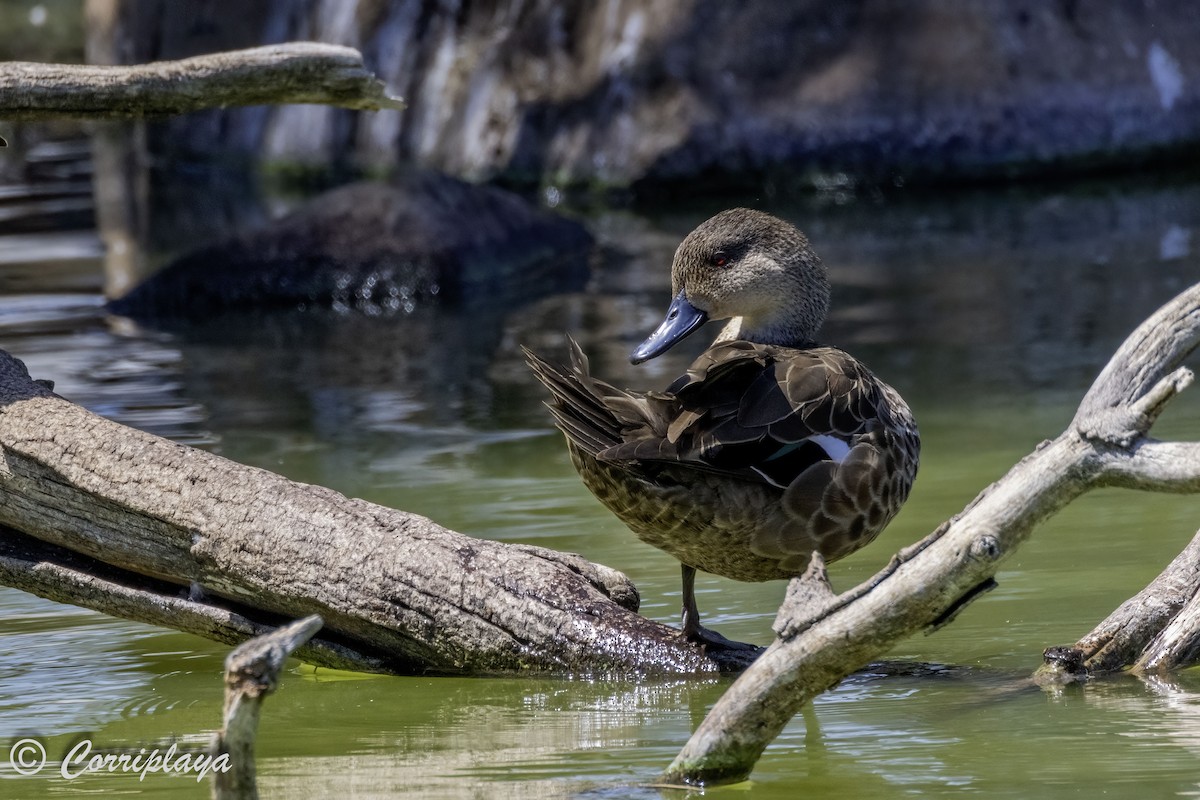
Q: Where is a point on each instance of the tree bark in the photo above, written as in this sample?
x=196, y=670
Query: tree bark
x=823, y=637
x=144, y=528
x=298, y=72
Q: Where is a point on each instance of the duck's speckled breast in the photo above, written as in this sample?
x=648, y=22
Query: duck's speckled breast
x=742, y=529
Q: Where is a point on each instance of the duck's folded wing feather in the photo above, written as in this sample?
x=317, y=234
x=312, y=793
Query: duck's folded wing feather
x=577, y=401
x=761, y=412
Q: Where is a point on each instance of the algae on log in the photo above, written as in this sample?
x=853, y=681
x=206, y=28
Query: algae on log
x=126, y=522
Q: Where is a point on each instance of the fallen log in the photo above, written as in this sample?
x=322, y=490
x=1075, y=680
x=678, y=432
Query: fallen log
x=128, y=523
x=297, y=72
x=823, y=637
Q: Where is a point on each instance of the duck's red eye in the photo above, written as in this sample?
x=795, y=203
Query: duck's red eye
x=718, y=259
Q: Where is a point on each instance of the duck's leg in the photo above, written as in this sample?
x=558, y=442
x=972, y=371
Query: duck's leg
x=692, y=629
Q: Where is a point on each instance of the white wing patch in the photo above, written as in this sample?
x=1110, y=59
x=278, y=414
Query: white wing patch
x=835, y=448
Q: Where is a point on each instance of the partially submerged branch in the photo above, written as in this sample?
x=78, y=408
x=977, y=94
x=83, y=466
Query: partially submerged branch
x=298, y=72
x=252, y=673
x=1178, y=644
x=1154, y=631
x=65, y=577
x=925, y=584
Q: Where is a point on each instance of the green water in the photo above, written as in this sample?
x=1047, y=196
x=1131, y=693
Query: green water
x=990, y=312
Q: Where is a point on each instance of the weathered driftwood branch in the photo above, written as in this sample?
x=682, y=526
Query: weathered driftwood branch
x=1155, y=631
x=126, y=522
x=824, y=637
x=252, y=673
x=299, y=72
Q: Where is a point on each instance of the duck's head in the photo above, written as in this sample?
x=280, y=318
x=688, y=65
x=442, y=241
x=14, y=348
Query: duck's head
x=746, y=266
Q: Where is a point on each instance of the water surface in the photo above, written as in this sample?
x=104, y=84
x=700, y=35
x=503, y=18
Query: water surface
x=990, y=311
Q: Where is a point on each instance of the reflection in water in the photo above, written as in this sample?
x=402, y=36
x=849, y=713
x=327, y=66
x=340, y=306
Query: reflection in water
x=990, y=312
x=47, y=658
x=952, y=302
x=1165, y=708
x=134, y=381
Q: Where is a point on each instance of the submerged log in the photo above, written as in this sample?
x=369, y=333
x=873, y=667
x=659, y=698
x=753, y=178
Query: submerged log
x=140, y=527
x=298, y=72
x=823, y=637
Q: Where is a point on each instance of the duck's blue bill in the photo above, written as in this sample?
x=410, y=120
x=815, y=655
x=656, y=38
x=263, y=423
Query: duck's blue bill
x=682, y=319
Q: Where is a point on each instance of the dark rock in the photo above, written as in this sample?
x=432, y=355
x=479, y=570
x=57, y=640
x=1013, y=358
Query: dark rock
x=379, y=248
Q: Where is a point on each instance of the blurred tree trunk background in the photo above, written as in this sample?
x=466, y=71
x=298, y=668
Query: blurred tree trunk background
x=626, y=93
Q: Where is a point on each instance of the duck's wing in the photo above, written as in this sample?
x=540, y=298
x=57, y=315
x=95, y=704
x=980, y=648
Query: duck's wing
x=813, y=423
x=762, y=413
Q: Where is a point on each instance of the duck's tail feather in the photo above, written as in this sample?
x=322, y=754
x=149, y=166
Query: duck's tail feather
x=577, y=401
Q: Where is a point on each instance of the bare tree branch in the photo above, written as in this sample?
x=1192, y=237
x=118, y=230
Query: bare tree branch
x=1125, y=398
x=1141, y=632
x=1156, y=467
x=252, y=673
x=39, y=568
x=299, y=72
x=1178, y=645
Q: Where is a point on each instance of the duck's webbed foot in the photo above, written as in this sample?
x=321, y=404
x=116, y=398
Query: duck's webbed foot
x=698, y=634
x=693, y=631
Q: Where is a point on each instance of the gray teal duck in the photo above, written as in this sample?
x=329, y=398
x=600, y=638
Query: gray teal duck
x=770, y=447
